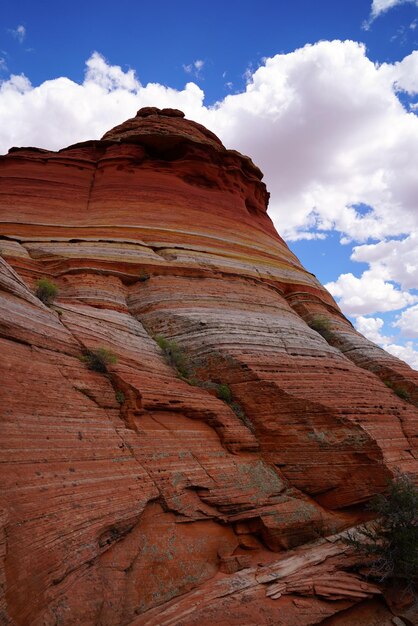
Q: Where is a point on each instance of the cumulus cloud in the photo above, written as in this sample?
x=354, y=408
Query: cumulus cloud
x=368, y=294
x=60, y=112
x=407, y=353
x=408, y=322
x=395, y=259
x=18, y=33
x=404, y=74
x=327, y=128
x=109, y=77
x=371, y=327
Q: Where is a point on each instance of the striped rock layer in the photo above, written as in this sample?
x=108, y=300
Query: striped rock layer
x=207, y=475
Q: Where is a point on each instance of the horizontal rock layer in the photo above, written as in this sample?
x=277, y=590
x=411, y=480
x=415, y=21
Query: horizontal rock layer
x=170, y=489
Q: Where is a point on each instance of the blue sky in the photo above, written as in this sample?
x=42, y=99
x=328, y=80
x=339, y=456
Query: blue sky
x=158, y=40
x=322, y=95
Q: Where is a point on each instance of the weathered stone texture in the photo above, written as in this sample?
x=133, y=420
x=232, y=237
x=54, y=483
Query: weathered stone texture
x=146, y=495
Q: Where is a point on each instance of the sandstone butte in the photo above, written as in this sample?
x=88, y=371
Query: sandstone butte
x=135, y=498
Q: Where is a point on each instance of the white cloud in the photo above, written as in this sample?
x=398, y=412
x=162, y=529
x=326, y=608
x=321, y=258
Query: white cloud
x=248, y=74
x=3, y=64
x=327, y=128
x=18, y=33
x=371, y=328
x=404, y=74
x=368, y=294
x=408, y=322
x=109, y=77
x=382, y=6
x=395, y=259
x=407, y=353
x=194, y=68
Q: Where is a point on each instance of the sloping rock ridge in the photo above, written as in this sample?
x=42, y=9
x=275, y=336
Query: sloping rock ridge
x=207, y=476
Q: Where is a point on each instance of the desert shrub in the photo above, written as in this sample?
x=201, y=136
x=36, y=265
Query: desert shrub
x=99, y=359
x=120, y=397
x=321, y=325
x=175, y=356
x=224, y=393
x=391, y=542
x=179, y=360
x=46, y=291
x=239, y=412
x=400, y=392
x=143, y=277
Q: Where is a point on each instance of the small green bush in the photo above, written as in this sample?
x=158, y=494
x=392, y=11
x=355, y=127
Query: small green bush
x=391, y=542
x=46, y=291
x=179, y=360
x=120, y=397
x=321, y=325
x=239, y=412
x=99, y=359
x=175, y=356
x=224, y=393
x=400, y=392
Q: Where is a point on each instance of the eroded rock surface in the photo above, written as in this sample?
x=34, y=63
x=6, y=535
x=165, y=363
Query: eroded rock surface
x=213, y=494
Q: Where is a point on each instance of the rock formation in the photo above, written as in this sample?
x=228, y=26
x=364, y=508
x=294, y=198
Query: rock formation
x=206, y=476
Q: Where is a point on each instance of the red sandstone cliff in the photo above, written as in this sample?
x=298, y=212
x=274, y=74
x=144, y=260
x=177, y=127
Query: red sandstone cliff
x=137, y=498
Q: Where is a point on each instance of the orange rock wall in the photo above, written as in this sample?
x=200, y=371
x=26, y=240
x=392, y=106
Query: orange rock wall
x=135, y=497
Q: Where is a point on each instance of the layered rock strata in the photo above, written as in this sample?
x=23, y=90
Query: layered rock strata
x=204, y=478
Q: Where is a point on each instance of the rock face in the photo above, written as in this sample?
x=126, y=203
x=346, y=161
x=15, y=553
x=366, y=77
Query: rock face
x=205, y=477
